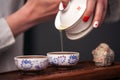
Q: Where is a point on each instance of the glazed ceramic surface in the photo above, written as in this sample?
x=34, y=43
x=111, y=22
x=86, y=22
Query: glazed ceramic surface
x=75, y=36
x=31, y=63
x=63, y=58
x=70, y=20
x=73, y=12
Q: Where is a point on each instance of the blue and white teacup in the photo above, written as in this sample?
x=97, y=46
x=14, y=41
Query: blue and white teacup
x=31, y=62
x=63, y=58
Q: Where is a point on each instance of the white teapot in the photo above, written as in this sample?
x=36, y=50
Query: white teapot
x=69, y=19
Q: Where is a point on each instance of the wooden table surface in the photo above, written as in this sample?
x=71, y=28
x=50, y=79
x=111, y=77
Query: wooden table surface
x=82, y=71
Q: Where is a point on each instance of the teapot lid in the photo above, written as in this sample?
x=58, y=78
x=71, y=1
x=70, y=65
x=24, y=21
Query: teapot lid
x=67, y=17
x=73, y=12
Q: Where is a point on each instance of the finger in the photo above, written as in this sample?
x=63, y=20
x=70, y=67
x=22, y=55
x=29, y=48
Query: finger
x=89, y=10
x=105, y=9
x=98, y=14
x=65, y=2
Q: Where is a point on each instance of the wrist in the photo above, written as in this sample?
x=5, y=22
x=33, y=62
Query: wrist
x=21, y=20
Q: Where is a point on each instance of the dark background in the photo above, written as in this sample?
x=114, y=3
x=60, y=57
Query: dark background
x=45, y=38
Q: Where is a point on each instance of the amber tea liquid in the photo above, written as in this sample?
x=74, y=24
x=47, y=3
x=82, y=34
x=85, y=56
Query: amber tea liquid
x=61, y=40
x=61, y=28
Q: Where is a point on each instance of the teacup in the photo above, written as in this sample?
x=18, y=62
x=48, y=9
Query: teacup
x=31, y=62
x=63, y=58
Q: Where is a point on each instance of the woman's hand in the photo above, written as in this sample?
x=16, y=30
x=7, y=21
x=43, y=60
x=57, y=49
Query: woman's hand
x=32, y=13
x=98, y=8
x=43, y=9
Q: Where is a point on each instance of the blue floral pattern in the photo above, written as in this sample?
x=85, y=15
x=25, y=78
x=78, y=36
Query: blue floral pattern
x=72, y=59
x=55, y=61
x=64, y=60
x=41, y=65
x=61, y=59
x=58, y=60
x=26, y=64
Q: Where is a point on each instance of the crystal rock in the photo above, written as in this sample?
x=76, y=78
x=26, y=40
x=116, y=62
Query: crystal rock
x=103, y=55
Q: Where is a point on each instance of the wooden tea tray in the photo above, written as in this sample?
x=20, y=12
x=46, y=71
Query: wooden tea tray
x=85, y=70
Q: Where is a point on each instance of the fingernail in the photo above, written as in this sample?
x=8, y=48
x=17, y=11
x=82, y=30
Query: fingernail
x=64, y=5
x=96, y=23
x=85, y=18
x=61, y=7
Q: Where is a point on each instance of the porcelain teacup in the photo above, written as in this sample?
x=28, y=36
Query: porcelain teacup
x=63, y=58
x=31, y=62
